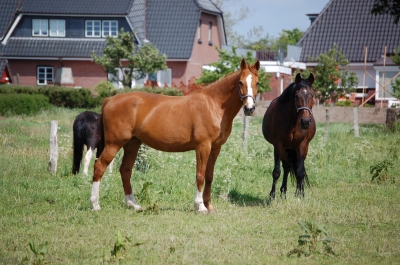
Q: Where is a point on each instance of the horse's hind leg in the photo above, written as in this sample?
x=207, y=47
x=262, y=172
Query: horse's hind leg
x=209, y=179
x=130, y=152
x=99, y=167
x=88, y=157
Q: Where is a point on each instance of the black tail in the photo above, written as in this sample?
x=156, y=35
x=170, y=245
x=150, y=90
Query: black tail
x=78, y=138
x=292, y=157
x=100, y=128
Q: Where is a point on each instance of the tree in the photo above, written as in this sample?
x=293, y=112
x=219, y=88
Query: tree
x=332, y=80
x=391, y=7
x=121, y=55
x=289, y=37
x=229, y=63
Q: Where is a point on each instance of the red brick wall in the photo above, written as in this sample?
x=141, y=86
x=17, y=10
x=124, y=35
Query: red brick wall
x=275, y=83
x=85, y=73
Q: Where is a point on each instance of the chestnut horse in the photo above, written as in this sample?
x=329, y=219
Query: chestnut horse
x=201, y=121
x=85, y=132
x=289, y=126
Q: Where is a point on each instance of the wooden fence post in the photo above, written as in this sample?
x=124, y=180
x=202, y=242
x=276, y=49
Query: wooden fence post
x=53, y=147
x=245, y=133
x=327, y=125
x=356, y=132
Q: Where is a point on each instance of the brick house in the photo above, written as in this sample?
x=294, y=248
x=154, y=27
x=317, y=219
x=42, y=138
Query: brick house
x=45, y=40
x=363, y=38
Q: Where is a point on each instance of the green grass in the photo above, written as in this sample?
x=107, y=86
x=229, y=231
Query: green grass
x=35, y=206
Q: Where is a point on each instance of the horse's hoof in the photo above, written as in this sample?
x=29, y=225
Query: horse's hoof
x=204, y=211
x=96, y=207
x=211, y=211
x=135, y=206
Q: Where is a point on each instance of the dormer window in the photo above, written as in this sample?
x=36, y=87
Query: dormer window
x=40, y=27
x=110, y=28
x=93, y=28
x=57, y=28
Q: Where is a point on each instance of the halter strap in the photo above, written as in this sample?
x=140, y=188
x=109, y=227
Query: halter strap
x=245, y=96
x=302, y=108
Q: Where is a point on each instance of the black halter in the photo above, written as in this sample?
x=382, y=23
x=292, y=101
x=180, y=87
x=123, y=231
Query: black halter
x=245, y=96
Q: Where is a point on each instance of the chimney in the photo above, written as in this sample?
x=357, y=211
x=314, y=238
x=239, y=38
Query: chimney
x=312, y=17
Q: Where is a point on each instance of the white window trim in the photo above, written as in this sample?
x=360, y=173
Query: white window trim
x=92, y=22
x=210, y=33
x=45, y=75
x=110, y=31
x=394, y=69
x=58, y=34
x=40, y=34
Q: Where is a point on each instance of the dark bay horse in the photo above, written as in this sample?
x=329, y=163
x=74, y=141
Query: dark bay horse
x=289, y=126
x=201, y=121
x=85, y=132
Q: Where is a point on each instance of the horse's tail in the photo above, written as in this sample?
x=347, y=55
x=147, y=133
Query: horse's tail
x=292, y=157
x=78, y=144
x=100, y=128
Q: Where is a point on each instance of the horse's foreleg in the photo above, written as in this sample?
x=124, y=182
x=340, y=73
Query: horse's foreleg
x=275, y=173
x=209, y=178
x=99, y=167
x=202, y=155
x=130, y=152
x=88, y=157
x=286, y=170
x=300, y=173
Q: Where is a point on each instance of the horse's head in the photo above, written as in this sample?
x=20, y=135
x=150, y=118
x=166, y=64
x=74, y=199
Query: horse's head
x=248, y=86
x=304, y=99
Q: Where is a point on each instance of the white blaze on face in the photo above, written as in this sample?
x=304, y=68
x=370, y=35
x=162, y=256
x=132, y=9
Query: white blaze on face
x=250, y=101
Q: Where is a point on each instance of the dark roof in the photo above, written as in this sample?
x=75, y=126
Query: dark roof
x=169, y=25
x=351, y=26
x=52, y=47
x=76, y=7
x=7, y=12
x=181, y=18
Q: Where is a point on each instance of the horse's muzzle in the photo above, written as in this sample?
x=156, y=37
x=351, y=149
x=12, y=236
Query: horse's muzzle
x=305, y=123
x=248, y=111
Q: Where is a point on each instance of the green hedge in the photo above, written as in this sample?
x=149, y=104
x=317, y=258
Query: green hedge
x=155, y=90
x=58, y=96
x=23, y=104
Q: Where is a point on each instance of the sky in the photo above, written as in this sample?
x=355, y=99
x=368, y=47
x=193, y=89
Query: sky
x=275, y=15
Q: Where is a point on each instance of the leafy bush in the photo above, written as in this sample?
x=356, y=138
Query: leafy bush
x=104, y=88
x=57, y=95
x=22, y=104
x=346, y=103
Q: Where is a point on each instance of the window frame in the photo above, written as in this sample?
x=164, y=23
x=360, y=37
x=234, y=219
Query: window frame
x=210, y=33
x=46, y=79
x=110, y=28
x=41, y=27
x=93, y=29
x=59, y=32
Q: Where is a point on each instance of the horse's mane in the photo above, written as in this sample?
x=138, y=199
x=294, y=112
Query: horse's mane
x=289, y=92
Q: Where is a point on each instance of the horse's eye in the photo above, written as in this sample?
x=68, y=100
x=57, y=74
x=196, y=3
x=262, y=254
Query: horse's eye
x=258, y=83
x=240, y=83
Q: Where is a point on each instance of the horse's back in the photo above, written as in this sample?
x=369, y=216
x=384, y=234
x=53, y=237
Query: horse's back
x=163, y=122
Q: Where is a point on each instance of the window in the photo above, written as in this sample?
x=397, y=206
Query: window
x=110, y=28
x=40, y=27
x=161, y=77
x=93, y=28
x=57, y=28
x=199, y=32
x=209, y=33
x=45, y=75
x=386, y=78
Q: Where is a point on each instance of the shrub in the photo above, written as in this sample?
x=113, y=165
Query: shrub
x=346, y=103
x=22, y=104
x=104, y=88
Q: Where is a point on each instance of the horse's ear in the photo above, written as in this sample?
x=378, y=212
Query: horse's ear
x=298, y=78
x=310, y=79
x=257, y=65
x=243, y=64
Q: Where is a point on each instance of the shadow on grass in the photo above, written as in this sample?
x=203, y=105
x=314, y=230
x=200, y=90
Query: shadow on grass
x=246, y=199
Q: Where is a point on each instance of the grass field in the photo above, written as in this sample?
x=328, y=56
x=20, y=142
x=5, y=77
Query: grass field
x=363, y=217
